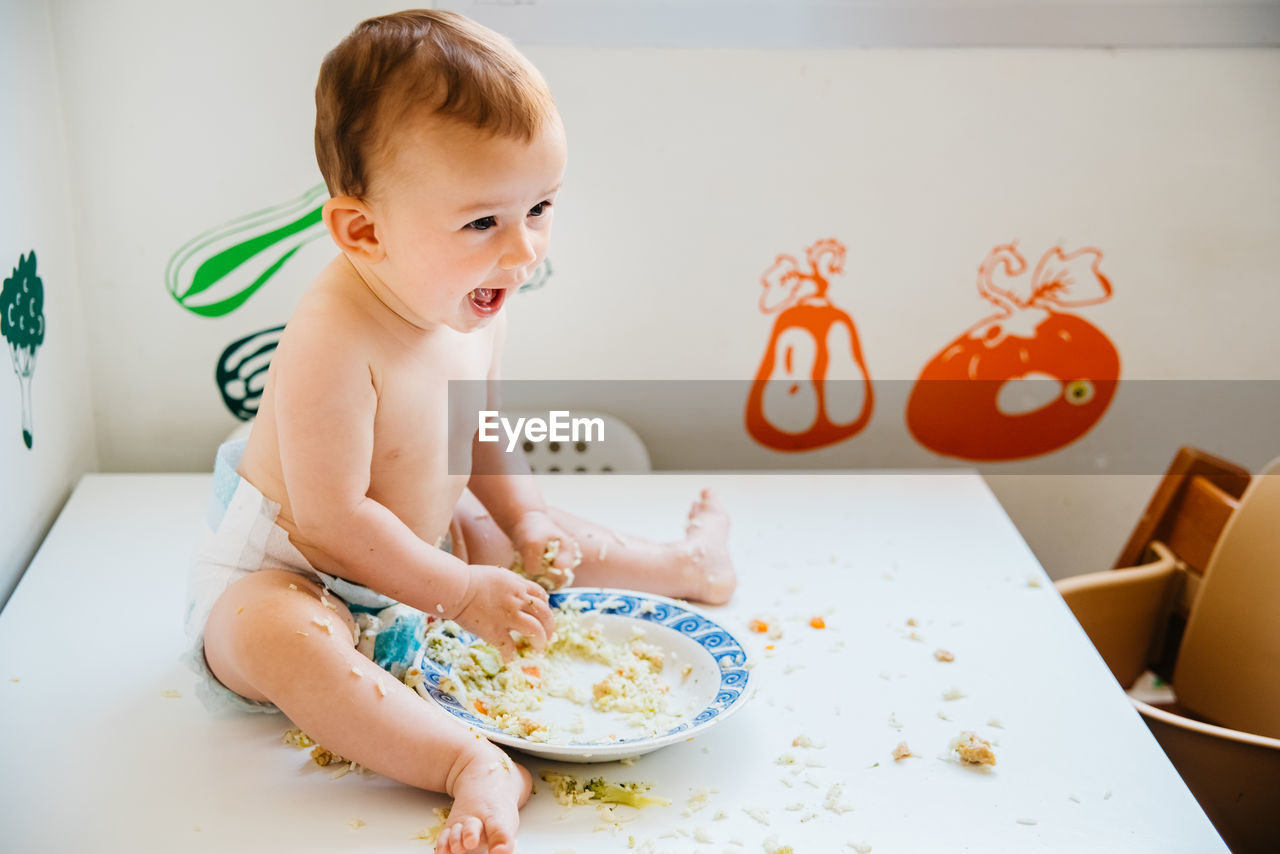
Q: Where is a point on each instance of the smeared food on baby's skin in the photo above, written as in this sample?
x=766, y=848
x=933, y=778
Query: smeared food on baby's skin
x=552, y=577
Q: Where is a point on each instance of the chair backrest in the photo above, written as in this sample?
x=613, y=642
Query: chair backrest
x=621, y=449
x=1189, y=509
x=1228, y=668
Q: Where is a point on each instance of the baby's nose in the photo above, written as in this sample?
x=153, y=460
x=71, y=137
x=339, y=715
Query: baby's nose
x=520, y=251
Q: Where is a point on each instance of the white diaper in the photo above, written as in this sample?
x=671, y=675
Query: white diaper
x=243, y=537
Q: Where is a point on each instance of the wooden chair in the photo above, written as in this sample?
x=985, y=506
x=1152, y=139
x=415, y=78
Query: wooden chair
x=1222, y=732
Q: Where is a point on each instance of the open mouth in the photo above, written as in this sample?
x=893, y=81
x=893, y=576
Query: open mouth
x=486, y=301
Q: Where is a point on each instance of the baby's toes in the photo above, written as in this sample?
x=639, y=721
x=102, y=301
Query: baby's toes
x=500, y=838
x=471, y=834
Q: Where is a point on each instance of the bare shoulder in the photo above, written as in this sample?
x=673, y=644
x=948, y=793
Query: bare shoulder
x=330, y=322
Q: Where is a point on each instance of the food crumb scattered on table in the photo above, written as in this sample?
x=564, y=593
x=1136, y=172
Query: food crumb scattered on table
x=901, y=752
x=973, y=750
x=944, y=655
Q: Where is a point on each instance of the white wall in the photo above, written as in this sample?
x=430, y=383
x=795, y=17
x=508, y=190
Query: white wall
x=689, y=171
x=36, y=215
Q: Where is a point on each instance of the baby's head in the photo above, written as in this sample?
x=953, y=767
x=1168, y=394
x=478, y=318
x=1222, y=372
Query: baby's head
x=442, y=148
x=400, y=68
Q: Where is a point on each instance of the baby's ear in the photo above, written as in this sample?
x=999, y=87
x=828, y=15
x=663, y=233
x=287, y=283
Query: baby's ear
x=350, y=224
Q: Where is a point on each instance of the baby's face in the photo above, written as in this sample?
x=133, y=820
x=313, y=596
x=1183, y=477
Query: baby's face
x=464, y=219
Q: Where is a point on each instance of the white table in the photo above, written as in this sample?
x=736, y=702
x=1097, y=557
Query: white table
x=97, y=759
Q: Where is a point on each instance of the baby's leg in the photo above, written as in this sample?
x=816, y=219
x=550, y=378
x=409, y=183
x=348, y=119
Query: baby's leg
x=697, y=567
x=270, y=636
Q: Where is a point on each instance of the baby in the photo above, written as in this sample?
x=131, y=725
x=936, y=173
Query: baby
x=443, y=152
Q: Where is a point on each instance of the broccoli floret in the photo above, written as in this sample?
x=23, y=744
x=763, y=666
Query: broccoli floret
x=567, y=789
x=629, y=794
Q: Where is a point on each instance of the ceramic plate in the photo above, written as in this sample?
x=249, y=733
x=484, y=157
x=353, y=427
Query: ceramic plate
x=715, y=687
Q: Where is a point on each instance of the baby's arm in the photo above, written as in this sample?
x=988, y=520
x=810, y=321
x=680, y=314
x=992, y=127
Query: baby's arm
x=504, y=484
x=325, y=401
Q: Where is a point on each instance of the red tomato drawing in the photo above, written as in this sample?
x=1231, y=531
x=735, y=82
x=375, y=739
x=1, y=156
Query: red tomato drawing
x=1029, y=379
x=812, y=388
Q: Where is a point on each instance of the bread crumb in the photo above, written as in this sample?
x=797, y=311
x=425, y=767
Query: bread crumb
x=995, y=722
x=293, y=586
x=297, y=738
x=355, y=824
x=901, y=752
x=325, y=602
x=805, y=741
x=973, y=750
x=301, y=632
x=758, y=813
x=326, y=624
x=701, y=834
x=953, y=694
x=357, y=672
x=170, y=693
x=859, y=847
x=324, y=757
x=944, y=655
x=911, y=621
x=1033, y=581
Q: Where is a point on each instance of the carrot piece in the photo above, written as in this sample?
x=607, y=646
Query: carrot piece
x=759, y=626
x=817, y=622
x=481, y=707
x=531, y=670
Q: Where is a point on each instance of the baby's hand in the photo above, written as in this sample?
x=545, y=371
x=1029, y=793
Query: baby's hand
x=547, y=553
x=505, y=609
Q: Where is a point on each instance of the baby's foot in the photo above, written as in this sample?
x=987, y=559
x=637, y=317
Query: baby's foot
x=487, y=796
x=711, y=574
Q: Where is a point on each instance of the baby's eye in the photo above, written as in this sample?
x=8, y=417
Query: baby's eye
x=539, y=209
x=482, y=223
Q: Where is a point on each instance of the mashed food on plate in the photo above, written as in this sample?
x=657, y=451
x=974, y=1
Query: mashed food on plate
x=580, y=665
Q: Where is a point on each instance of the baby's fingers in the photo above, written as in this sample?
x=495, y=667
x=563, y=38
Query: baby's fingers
x=539, y=608
x=532, y=630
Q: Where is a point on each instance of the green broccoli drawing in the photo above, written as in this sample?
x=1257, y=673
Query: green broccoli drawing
x=22, y=325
